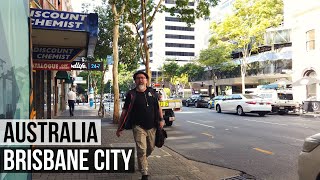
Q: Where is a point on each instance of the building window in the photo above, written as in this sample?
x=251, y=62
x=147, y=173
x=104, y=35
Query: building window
x=172, y=53
x=170, y=2
x=179, y=28
x=174, y=19
x=310, y=44
x=179, y=45
x=174, y=36
x=151, y=54
x=150, y=45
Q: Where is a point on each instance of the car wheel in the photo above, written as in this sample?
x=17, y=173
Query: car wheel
x=187, y=104
x=209, y=106
x=261, y=114
x=282, y=112
x=218, y=108
x=169, y=114
x=240, y=111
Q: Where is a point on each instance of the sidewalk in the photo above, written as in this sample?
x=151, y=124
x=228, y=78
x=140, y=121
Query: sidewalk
x=164, y=164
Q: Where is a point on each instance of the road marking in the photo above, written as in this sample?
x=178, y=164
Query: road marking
x=263, y=151
x=166, y=153
x=201, y=124
x=266, y=122
x=302, y=140
x=206, y=134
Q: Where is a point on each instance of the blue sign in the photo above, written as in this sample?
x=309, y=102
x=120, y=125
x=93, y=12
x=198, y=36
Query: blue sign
x=92, y=66
x=110, y=59
x=62, y=20
x=55, y=53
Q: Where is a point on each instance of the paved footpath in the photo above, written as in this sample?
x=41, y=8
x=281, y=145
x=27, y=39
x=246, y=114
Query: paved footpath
x=164, y=164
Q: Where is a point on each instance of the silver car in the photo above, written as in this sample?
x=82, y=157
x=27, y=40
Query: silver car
x=309, y=159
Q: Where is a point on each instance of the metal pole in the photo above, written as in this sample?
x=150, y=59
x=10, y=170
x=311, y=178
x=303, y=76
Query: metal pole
x=110, y=96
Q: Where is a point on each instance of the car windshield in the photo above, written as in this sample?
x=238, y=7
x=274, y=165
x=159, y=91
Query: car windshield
x=284, y=96
x=249, y=96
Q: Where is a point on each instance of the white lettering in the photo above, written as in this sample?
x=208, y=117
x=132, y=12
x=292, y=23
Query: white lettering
x=73, y=158
x=126, y=158
x=83, y=159
x=96, y=158
x=8, y=159
x=115, y=156
x=48, y=162
x=60, y=161
x=21, y=159
x=46, y=14
x=36, y=158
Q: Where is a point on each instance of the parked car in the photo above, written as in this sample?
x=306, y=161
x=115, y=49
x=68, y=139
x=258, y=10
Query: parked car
x=243, y=103
x=281, y=100
x=198, y=101
x=309, y=159
x=212, y=102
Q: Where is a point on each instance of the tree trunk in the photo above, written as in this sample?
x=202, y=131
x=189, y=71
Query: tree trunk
x=102, y=89
x=145, y=41
x=116, y=111
x=243, y=74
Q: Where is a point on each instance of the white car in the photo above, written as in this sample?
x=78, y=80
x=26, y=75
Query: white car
x=243, y=103
x=309, y=159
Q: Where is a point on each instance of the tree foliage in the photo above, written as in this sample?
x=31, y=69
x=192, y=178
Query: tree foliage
x=142, y=13
x=245, y=28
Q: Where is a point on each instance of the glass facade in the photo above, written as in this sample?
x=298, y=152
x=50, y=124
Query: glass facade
x=14, y=65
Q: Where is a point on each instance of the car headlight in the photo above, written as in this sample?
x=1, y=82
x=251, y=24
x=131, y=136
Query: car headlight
x=310, y=144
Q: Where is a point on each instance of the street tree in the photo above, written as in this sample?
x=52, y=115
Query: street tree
x=193, y=70
x=170, y=70
x=143, y=12
x=216, y=59
x=179, y=82
x=245, y=28
x=114, y=38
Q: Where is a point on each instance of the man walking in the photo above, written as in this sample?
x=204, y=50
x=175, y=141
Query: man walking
x=142, y=112
x=71, y=100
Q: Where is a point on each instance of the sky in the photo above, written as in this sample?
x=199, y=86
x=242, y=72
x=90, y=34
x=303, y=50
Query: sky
x=76, y=4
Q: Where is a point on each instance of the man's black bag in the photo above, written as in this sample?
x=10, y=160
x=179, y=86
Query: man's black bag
x=161, y=135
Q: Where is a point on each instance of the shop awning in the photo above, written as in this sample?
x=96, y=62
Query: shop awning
x=63, y=75
x=306, y=81
x=60, y=29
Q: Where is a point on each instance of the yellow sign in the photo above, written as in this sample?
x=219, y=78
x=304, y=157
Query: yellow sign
x=164, y=103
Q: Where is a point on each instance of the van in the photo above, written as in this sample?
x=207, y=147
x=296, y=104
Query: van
x=281, y=100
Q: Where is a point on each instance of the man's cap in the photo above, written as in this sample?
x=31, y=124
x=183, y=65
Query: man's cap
x=140, y=72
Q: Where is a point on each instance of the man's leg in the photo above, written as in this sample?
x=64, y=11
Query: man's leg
x=151, y=139
x=140, y=136
x=72, y=107
x=69, y=104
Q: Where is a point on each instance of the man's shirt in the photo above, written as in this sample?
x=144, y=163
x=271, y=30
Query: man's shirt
x=72, y=95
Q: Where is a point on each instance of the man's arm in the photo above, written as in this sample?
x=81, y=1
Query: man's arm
x=120, y=128
x=161, y=123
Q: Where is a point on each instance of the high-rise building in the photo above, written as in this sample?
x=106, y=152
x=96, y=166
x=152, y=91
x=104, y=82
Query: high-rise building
x=170, y=39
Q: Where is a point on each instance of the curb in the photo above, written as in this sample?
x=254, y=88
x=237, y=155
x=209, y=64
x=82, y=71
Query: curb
x=241, y=173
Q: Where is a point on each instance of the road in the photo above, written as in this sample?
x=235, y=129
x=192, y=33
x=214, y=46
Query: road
x=265, y=147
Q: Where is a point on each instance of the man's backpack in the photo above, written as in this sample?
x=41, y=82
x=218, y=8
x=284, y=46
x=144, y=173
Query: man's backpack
x=161, y=136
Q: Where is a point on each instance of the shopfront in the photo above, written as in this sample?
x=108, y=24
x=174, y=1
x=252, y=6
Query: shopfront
x=58, y=39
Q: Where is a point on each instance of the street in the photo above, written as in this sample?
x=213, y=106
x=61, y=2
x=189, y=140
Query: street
x=264, y=147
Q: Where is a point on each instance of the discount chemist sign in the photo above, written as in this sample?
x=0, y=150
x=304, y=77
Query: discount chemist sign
x=61, y=20
x=54, y=53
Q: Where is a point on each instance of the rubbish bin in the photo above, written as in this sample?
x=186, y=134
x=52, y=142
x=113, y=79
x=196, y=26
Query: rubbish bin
x=311, y=106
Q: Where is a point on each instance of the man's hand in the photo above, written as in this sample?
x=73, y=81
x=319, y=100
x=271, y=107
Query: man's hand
x=118, y=133
x=161, y=124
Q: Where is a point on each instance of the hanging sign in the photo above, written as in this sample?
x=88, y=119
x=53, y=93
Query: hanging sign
x=51, y=66
x=55, y=53
x=92, y=66
x=61, y=20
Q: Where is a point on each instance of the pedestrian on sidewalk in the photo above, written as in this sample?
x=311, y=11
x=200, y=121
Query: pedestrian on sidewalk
x=71, y=100
x=142, y=113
